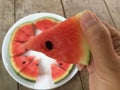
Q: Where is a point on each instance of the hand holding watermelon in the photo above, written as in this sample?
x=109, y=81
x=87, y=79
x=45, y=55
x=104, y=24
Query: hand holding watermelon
x=103, y=40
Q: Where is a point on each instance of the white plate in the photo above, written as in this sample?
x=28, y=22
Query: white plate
x=44, y=81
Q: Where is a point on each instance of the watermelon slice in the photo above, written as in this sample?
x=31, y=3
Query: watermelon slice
x=65, y=41
x=19, y=35
x=57, y=73
x=45, y=23
x=27, y=28
x=20, y=62
x=15, y=48
x=66, y=66
x=31, y=72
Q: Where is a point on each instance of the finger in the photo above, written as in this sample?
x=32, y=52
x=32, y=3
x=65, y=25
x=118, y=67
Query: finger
x=97, y=35
x=90, y=67
x=115, y=34
x=80, y=67
x=112, y=30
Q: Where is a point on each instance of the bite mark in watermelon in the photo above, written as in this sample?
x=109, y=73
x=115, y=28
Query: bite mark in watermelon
x=31, y=72
x=64, y=41
x=57, y=73
x=20, y=62
x=45, y=23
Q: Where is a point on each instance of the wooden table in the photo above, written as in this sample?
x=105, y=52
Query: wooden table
x=12, y=10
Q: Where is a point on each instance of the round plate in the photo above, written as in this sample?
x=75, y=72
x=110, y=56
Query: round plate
x=44, y=80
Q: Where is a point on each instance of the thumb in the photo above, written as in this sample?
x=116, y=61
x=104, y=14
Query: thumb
x=98, y=36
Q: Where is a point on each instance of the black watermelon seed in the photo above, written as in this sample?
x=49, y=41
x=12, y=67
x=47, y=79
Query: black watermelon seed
x=37, y=64
x=49, y=45
x=60, y=64
x=23, y=62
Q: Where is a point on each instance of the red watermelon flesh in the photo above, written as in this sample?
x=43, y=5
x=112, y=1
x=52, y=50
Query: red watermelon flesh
x=22, y=33
x=66, y=66
x=45, y=23
x=65, y=41
x=19, y=35
x=28, y=28
x=16, y=48
x=31, y=72
x=57, y=73
x=20, y=62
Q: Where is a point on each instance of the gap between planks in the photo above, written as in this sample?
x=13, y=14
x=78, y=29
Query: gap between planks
x=109, y=13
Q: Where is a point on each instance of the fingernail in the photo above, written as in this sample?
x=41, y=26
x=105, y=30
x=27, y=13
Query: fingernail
x=87, y=19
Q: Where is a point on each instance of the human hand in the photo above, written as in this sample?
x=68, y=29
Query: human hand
x=104, y=43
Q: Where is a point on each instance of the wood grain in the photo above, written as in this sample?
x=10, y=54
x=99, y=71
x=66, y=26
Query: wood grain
x=75, y=6
x=27, y=7
x=6, y=20
x=114, y=10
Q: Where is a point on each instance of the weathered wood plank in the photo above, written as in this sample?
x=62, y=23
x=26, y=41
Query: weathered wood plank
x=84, y=77
x=72, y=7
x=6, y=20
x=26, y=7
x=114, y=10
x=75, y=6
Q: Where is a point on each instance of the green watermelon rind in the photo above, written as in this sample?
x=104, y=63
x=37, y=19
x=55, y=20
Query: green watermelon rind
x=11, y=40
x=26, y=23
x=10, y=51
x=13, y=66
x=42, y=18
x=19, y=26
x=26, y=77
x=70, y=68
x=87, y=55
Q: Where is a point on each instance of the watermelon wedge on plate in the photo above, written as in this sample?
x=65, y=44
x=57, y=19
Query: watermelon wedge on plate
x=19, y=35
x=45, y=23
x=15, y=48
x=28, y=28
x=65, y=41
x=20, y=62
x=66, y=66
x=31, y=71
x=58, y=73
